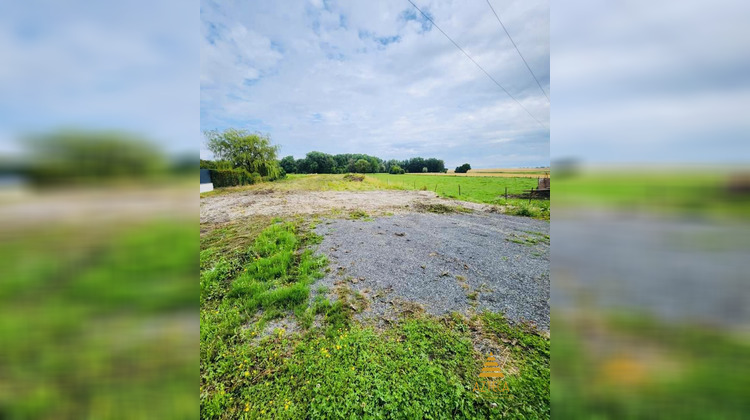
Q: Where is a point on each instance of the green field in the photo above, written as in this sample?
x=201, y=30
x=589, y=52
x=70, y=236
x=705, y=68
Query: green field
x=478, y=189
x=696, y=193
x=328, y=365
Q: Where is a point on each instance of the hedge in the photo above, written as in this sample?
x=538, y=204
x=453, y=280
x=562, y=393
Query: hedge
x=232, y=177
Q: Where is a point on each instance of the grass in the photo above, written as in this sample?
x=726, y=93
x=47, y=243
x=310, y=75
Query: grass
x=633, y=367
x=476, y=189
x=331, y=366
x=696, y=193
x=441, y=208
x=94, y=319
x=487, y=190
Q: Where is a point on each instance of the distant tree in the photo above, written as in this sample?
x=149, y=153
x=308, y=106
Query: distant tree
x=463, y=168
x=395, y=169
x=362, y=166
x=250, y=151
x=320, y=163
x=424, y=169
x=288, y=164
x=72, y=156
x=434, y=165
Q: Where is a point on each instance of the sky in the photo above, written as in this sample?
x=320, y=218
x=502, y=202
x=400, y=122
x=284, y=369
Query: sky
x=101, y=66
x=379, y=78
x=651, y=82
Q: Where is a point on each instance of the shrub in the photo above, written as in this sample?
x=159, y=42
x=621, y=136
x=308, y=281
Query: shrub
x=424, y=169
x=233, y=177
x=396, y=170
x=463, y=168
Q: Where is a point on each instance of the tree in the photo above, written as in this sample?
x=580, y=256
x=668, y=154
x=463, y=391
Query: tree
x=71, y=156
x=463, y=168
x=362, y=166
x=424, y=169
x=251, y=151
x=319, y=163
x=288, y=164
x=396, y=170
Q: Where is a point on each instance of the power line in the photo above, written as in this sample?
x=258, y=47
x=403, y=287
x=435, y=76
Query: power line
x=477, y=64
x=517, y=50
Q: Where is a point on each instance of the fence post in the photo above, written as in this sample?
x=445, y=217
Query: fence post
x=459, y=189
x=506, y=194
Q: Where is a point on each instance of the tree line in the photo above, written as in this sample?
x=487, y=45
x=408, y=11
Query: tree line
x=324, y=163
x=240, y=150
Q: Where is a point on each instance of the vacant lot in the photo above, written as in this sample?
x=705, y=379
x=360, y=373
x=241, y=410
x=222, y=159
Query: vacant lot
x=351, y=304
x=316, y=194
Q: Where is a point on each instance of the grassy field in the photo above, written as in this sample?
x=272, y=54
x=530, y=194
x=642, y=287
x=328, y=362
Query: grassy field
x=327, y=365
x=504, y=172
x=489, y=190
x=697, y=193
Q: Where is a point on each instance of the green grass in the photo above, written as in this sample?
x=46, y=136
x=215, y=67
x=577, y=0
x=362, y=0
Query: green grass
x=331, y=366
x=699, y=192
x=94, y=318
x=477, y=189
x=633, y=367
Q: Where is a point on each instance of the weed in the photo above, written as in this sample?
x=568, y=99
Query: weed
x=360, y=214
x=440, y=208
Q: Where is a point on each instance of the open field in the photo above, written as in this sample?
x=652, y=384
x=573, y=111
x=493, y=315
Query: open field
x=315, y=314
x=697, y=193
x=302, y=193
x=501, y=172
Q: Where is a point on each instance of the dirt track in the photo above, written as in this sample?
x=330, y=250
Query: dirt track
x=223, y=208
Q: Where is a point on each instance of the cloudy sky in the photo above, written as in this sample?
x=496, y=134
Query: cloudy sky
x=100, y=65
x=378, y=78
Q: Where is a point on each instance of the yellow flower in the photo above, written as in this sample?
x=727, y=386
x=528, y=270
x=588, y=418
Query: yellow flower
x=352, y=367
x=262, y=411
x=247, y=373
x=247, y=409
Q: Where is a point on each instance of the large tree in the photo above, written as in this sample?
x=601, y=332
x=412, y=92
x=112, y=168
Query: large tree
x=289, y=164
x=463, y=168
x=251, y=151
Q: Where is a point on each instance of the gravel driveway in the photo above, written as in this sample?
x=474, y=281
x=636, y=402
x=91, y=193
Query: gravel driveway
x=444, y=263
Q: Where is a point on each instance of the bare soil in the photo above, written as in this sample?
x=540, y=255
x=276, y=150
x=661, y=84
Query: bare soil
x=223, y=208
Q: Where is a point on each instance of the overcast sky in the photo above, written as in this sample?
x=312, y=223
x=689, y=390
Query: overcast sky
x=376, y=77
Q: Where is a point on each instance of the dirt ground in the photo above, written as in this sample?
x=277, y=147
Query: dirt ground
x=223, y=208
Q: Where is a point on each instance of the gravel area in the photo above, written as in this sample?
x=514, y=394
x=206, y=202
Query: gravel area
x=441, y=262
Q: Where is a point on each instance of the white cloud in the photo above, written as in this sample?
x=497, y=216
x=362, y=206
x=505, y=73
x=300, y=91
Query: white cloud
x=358, y=77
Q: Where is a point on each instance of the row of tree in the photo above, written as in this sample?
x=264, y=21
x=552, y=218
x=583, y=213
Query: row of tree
x=254, y=153
x=323, y=163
